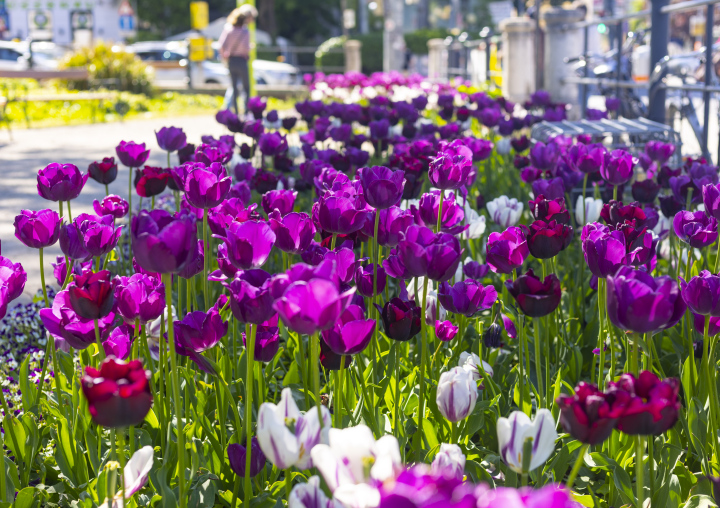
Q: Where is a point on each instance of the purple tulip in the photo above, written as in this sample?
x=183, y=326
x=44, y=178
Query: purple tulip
x=587, y=159
x=196, y=263
x=119, y=343
x=12, y=283
x=452, y=167
x=314, y=254
x=72, y=243
x=379, y=129
x=97, y=236
x=281, y=200
x=131, y=154
x=546, y=240
x=197, y=332
x=63, y=323
x=394, y=221
x=481, y=148
x=267, y=340
x=445, y=330
x=256, y=105
x=250, y=298
x=604, y=249
x=545, y=156
x=507, y=251
x=645, y=191
x=535, y=297
x=162, y=242
x=475, y=270
x=60, y=269
x=617, y=168
x=695, y=228
x=293, y=232
x=639, y=302
x=171, y=139
x=553, y=188
x=139, y=297
x=711, y=200
x=703, y=174
x=273, y=143
x=103, y=172
x=351, y=334
x=37, y=229
x=206, y=186
x=699, y=325
x=425, y=253
x=702, y=294
x=659, y=152
x=364, y=280
x=382, y=187
x=401, y=319
x=217, y=152
x=237, y=455
x=615, y=213
x=60, y=182
x=338, y=215
x=308, y=307
x=466, y=297
x=452, y=212
x=248, y=243
x=112, y=205
x=229, y=211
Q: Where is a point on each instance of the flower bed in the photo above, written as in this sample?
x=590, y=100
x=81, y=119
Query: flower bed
x=387, y=301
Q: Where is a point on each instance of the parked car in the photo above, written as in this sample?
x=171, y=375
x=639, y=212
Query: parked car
x=16, y=55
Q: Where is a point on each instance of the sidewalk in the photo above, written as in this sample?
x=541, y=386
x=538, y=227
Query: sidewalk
x=33, y=149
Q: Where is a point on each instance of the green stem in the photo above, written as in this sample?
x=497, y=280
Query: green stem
x=101, y=349
x=288, y=484
x=538, y=361
x=440, y=207
x=206, y=260
x=249, y=384
x=601, y=335
x=69, y=212
x=639, y=472
x=176, y=394
x=315, y=361
x=396, y=393
x=42, y=279
x=9, y=417
x=107, y=191
x=423, y=362
x=576, y=467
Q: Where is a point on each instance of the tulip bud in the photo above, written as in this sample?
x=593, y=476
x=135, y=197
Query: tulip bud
x=449, y=461
x=237, y=457
x=492, y=336
x=456, y=394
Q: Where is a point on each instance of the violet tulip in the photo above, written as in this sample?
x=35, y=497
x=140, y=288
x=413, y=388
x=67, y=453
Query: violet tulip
x=131, y=154
x=466, y=297
x=424, y=253
x=139, y=297
x=230, y=210
x=163, y=242
x=641, y=303
x=308, y=307
x=60, y=182
x=474, y=270
x=351, y=334
x=445, y=331
x=206, y=186
x=695, y=228
x=267, y=340
x=103, y=172
x=429, y=208
x=658, y=151
x=118, y=394
x=587, y=159
x=250, y=297
x=645, y=191
x=37, y=229
x=364, y=278
x=535, y=297
x=545, y=156
x=711, y=200
x=591, y=415
x=604, y=249
x=119, y=343
x=197, y=332
x=112, y=205
x=338, y=215
x=653, y=407
x=293, y=232
x=281, y=200
x=401, y=319
x=237, y=455
x=507, y=251
x=552, y=188
x=382, y=187
x=702, y=294
x=171, y=139
x=12, y=283
x=196, y=264
x=451, y=169
x=62, y=322
x=617, y=168
x=99, y=234
x=248, y=243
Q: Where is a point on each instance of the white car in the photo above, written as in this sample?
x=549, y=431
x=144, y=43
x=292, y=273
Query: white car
x=15, y=56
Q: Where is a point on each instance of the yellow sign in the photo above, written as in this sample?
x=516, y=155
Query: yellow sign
x=199, y=17
x=199, y=49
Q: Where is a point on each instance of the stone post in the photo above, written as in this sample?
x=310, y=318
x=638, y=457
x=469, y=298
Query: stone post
x=437, y=60
x=353, y=57
x=518, y=68
x=562, y=41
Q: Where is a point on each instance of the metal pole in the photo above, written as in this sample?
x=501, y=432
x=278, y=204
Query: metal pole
x=658, y=50
x=583, y=86
x=618, y=57
x=709, y=22
x=609, y=8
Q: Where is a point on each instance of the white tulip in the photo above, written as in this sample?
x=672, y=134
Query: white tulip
x=351, y=459
x=503, y=146
x=593, y=207
x=459, y=270
x=517, y=428
x=449, y=461
x=475, y=221
x=281, y=445
x=310, y=495
x=136, y=474
x=456, y=394
x=471, y=363
x=505, y=211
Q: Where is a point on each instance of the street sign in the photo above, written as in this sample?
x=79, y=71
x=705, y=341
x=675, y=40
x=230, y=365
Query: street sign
x=199, y=49
x=40, y=24
x=127, y=23
x=126, y=18
x=349, y=19
x=81, y=20
x=199, y=17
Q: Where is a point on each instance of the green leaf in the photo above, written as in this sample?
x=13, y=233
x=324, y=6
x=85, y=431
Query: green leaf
x=203, y=493
x=623, y=484
x=28, y=389
x=14, y=426
x=26, y=498
x=429, y=432
x=700, y=501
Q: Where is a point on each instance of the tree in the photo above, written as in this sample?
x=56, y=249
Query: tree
x=305, y=21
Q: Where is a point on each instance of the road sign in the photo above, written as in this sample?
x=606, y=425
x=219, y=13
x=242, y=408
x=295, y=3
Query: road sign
x=199, y=17
x=127, y=23
x=40, y=24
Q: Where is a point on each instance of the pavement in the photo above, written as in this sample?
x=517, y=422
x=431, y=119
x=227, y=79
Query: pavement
x=29, y=150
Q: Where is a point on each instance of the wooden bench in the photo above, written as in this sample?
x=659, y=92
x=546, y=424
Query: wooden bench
x=80, y=73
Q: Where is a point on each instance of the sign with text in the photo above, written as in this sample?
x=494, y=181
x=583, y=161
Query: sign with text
x=199, y=17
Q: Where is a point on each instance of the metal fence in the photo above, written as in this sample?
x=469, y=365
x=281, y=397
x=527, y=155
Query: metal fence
x=659, y=38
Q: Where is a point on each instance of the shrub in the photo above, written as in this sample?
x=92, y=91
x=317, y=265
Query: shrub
x=116, y=69
x=372, y=52
x=417, y=41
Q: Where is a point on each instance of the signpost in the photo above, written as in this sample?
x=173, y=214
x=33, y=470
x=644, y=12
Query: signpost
x=199, y=16
x=127, y=19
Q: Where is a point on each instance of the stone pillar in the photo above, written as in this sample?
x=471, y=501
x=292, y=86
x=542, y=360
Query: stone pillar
x=393, y=39
x=353, y=57
x=562, y=41
x=437, y=60
x=518, y=68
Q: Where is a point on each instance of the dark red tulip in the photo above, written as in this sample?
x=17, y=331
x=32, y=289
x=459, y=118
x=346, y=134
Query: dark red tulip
x=653, y=406
x=150, y=181
x=103, y=172
x=550, y=210
x=535, y=298
x=591, y=415
x=546, y=240
x=401, y=319
x=91, y=294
